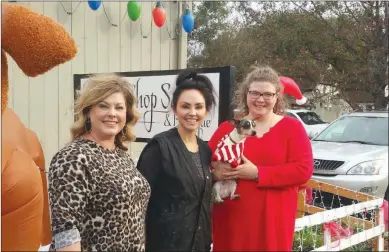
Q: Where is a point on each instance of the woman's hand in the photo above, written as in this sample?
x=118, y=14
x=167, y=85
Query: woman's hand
x=220, y=169
x=247, y=170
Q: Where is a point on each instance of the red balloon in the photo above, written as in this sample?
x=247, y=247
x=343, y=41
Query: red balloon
x=159, y=15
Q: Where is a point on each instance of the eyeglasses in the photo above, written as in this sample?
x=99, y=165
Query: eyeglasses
x=266, y=95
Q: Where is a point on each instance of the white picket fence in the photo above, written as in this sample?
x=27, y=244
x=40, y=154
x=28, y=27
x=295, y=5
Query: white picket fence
x=334, y=214
x=321, y=218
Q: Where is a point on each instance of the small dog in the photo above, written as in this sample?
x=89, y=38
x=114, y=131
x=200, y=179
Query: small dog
x=230, y=149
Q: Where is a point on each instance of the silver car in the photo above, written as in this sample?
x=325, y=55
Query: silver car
x=352, y=152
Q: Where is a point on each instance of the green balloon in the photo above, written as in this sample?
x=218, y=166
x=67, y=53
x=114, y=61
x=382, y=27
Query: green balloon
x=133, y=9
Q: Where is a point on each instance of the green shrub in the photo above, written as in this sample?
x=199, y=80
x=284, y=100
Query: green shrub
x=310, y=235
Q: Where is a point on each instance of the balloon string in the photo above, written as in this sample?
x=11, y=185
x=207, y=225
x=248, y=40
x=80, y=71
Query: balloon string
x=105, y=12
x=124, y=16
x=169, y=32
x=71, y=12
x=166, y=27
x=141, y=30
x=106, y=15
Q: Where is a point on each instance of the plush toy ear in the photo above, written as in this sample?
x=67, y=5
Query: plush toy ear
x=36, y=42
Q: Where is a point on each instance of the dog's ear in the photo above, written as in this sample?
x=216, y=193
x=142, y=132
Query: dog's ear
x=232, y=121
x=237, y=123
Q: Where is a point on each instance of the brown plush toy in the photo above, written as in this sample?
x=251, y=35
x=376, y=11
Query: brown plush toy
x=37, y=44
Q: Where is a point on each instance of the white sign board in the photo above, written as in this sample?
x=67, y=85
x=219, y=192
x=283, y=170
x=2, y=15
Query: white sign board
x=386, y=91
x=154, y=95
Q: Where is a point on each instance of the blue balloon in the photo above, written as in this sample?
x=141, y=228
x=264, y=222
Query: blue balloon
x=94, y=5
x=187, y=21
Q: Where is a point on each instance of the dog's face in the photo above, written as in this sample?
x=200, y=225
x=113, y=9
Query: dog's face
x=245, y=127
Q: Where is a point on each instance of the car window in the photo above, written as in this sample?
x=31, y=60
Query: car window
x=291, y=115
x=310, y=118
x=363, y=129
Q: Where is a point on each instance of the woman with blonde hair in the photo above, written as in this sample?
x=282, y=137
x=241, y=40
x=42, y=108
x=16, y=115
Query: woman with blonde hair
x=98, y=199
x=275, y=163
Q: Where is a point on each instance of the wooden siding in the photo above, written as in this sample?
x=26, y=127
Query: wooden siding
x=45, y=103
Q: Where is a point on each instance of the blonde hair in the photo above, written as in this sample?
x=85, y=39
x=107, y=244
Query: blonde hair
x=259, y=73
x=98, y=88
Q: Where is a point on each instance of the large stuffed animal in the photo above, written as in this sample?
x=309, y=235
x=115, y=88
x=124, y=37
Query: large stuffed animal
x=37, y=44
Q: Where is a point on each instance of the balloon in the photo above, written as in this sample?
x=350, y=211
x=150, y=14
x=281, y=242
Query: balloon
x=187, y=21
x=94, y=5
x=133, y=9
x=159, y=15
x=291, y=88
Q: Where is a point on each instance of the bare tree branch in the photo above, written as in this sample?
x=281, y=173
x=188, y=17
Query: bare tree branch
x=352, y=13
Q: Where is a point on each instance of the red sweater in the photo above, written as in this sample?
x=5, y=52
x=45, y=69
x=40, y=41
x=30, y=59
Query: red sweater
x=228, y=153
x=263, y=218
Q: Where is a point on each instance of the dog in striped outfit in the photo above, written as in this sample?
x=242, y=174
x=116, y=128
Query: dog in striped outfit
x=230, y=149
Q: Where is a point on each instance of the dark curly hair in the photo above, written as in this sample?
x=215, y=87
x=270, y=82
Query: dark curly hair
x=188, y=80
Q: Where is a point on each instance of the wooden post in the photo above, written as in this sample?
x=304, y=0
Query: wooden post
x=301, y=204
x=379, y=240
x=327, y=237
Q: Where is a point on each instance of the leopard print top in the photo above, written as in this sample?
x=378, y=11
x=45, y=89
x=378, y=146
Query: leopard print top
x=98, y=197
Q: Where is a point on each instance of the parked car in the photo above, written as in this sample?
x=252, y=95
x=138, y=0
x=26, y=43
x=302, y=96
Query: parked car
x=312, y=122
x=352, y=152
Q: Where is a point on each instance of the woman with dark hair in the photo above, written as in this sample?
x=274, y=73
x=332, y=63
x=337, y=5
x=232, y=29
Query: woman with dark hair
x=176, y=165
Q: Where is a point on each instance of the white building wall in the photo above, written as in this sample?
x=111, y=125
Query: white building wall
x=45, y=103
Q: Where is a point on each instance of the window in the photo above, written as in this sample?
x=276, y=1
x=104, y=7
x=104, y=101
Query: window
x=291, y=115
x=364, y=129
x=310, y=118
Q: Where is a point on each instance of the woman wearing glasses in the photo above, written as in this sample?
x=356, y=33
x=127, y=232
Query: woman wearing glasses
x=276, y=162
